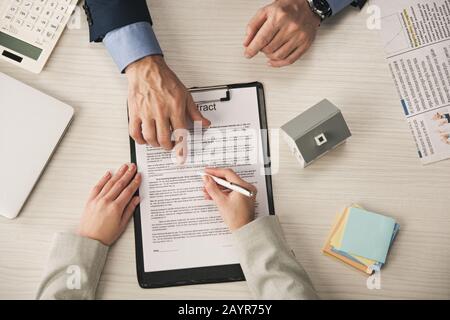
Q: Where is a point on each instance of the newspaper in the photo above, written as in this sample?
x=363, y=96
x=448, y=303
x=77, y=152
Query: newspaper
x=416, y=38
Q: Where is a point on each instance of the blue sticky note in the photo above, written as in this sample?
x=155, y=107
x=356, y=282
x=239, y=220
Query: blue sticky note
x=368, y=234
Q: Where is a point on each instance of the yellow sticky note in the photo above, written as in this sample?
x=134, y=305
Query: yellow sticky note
x=336, y=240
x=363, y=260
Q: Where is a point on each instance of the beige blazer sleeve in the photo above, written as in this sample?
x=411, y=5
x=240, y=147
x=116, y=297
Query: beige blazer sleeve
x=269, y=265
x=74, y=268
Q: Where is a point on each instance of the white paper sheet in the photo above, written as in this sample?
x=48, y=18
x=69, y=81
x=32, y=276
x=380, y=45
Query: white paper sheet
x=179, y=228
x=416, y=37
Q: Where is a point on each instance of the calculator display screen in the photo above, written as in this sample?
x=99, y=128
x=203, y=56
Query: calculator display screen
x=20, y=46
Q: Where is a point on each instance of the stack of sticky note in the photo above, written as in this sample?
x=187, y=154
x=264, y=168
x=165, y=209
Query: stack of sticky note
x=361, y=238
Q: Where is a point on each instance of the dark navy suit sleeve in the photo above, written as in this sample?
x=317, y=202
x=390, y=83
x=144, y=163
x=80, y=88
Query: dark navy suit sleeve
x=107, y=15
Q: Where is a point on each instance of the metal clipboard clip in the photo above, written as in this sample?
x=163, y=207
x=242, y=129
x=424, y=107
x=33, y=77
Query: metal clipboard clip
x=202, y=95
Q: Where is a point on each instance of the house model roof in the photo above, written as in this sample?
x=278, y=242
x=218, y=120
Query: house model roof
x=310, y=119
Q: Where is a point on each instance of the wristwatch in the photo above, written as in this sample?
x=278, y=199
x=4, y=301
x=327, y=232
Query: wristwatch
x=321, y=8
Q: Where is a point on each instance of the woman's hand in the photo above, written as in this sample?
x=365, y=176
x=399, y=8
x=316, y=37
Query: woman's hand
x=111, y=205
x=236, y=209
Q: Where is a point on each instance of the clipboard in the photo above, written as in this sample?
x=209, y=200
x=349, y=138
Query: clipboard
x=211, y=274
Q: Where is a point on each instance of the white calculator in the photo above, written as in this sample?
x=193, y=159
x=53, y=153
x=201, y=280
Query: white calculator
x=30, y=29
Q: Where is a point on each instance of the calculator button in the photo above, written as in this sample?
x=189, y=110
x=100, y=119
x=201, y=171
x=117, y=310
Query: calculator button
x=53, y=27
x=57, y=18
x=18, y=22
x=27, y=5
x=23, y=14
x=38, y=9
x=48, y=35
x=62, y=8
x=12, y=29
x=52, y=4
x=8, y=17
x=32, y=19
x=13, y=10
x=5, y=27
x=47, y=13
x=29, y=25
x=42, y=23
x=38, y=30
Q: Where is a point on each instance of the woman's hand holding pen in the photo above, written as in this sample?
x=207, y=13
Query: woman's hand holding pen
x=110, y=205
x=236, y=209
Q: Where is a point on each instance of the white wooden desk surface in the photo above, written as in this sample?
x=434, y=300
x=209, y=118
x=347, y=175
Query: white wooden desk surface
x=378, y=168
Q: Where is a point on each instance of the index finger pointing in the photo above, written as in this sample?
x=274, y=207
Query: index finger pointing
x=178, y=124
x=164, y=134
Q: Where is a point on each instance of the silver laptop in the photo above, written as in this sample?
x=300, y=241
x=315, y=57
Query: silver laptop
x=31, y=126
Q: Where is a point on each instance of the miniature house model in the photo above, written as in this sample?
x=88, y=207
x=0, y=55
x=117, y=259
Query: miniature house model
x=315, y=132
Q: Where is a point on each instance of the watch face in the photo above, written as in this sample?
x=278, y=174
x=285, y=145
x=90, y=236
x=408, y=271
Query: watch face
x=323, y=6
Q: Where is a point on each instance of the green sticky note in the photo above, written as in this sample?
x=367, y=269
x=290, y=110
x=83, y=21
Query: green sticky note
x=368, y=234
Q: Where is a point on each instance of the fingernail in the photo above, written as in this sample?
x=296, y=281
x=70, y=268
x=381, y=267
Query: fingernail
x=107, y=174
x=137, y=200
x=247, y=55
x=131, y=167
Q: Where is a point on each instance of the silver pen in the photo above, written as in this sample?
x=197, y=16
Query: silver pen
x=229, y=185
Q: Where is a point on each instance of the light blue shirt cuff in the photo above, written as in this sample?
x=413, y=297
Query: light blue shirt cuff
x=338, y=5
x=131, y=43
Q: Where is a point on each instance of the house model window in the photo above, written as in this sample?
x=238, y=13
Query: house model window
x=320, y=139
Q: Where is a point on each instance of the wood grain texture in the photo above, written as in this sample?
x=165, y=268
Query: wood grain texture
x=202, y=41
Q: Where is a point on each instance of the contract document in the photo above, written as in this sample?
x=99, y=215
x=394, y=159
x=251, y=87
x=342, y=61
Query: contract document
x=180, y=229
x=416, y=36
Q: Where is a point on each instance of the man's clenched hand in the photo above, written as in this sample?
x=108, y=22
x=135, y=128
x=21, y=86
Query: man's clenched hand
x=283, y=31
